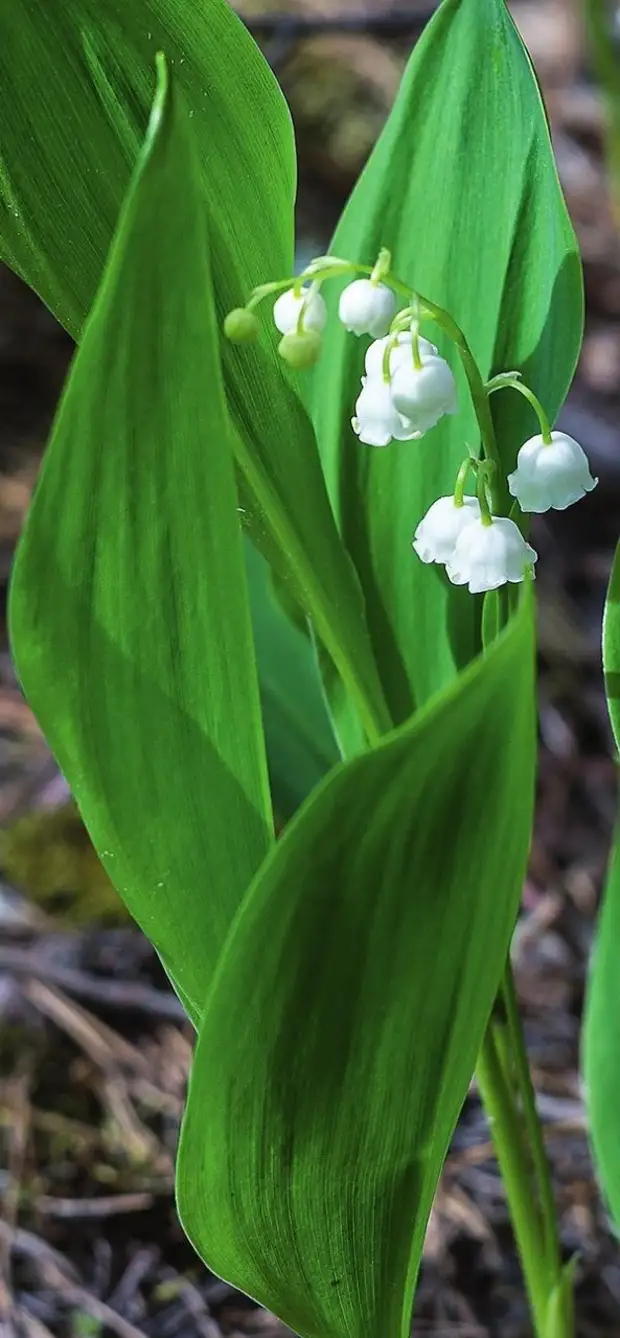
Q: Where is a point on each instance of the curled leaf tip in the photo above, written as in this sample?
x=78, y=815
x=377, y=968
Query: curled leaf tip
x=162, y=91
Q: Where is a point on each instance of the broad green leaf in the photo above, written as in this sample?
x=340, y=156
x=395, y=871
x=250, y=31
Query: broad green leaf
x=601, y=1039
x=129, y=612
x=462, y=188
x=76, y=87
x=76, y=83
x=611, y=646
x=301, y=747
x=366, y=958
x=601, y=1027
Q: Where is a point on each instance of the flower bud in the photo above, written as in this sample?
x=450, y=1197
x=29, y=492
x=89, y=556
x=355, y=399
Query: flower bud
x=550, y=474
x=424, y=394
x=367, y=308
x=487, y=556
x=241, y=326
x=401, y=352
x=436, y=535
x=300, y=350
x=288, y=307
x=376, y=420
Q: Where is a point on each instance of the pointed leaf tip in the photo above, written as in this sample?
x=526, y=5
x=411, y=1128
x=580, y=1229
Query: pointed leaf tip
x=129, y=612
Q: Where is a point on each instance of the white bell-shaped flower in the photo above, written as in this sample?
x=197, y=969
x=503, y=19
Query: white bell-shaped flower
x=287, y=308
x=551, y=474
x=436, y=535
x=367, y=308
x=487, y=556
x=401, y=352
x=376, y=421
x=424, y=394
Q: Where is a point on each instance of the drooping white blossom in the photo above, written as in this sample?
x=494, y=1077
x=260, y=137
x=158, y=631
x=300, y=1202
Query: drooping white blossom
x=287, y=309
x=376, y=421
x=367, y=308
x=436, y=535
x=550, y=474
x=401, y=351
x=487, y=556
x=424, y=394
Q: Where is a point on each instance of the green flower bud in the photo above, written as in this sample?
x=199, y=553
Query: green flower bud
x=300, y=350
x=241, y=326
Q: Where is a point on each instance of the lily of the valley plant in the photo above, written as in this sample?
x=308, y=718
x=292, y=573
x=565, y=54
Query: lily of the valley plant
x=277, y=577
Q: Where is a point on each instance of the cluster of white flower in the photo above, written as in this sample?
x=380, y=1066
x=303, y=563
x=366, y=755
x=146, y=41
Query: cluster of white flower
x=482, y=552
x=410, y=399
x=405, y=390
x=485, y=552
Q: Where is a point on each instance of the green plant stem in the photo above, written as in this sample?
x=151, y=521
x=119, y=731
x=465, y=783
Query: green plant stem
x=533, y=1127
x=477, y=389
x=511, y=1151
x=504, y=382
x=505, y=1086
x=508, y=1095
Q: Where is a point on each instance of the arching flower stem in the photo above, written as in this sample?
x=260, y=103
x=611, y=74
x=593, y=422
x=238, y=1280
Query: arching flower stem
x=512, y=381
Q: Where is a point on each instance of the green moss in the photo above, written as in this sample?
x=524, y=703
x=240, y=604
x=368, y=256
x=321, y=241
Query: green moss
x=49, y=857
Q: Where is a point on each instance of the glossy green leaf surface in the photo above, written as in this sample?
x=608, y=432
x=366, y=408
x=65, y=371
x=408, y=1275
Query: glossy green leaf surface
x=301, y=747
x=601, y=1027
x=611, y=646
x=462, y=188
x=366, y=957
x=129, y=611
x=601, y=1039
x=76, y=87
x=76, y=82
